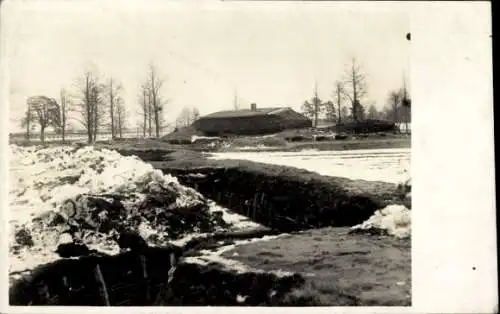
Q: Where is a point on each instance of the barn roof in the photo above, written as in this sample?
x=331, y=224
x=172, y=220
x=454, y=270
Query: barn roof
x=245, y=112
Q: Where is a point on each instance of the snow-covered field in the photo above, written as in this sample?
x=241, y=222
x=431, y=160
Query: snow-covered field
x=388, y=165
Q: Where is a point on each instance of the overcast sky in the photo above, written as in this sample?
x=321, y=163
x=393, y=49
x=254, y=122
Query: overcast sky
x=270, y=52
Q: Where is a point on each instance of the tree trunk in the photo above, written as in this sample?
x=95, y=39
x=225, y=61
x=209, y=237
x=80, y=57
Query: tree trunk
x=149, y=115
x=28, y=120
x=339, y=102
x=316, y=112
x=120, y=122
x=145, y=114
x=157, y=123
x=395, y=108
x=42, y=133
x=88, y=108
x=63, y=116
x=95, y=123
x=95, y=127
x=63, y=129
x=407, y=119
x=155, y=105
x=111, y=98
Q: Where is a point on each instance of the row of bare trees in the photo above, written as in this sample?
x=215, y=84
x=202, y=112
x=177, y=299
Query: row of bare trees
x=348, y=97
x=351, y=90
x=96, y=104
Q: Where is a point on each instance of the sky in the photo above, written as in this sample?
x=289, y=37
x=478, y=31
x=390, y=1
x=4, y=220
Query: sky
x=270, y=53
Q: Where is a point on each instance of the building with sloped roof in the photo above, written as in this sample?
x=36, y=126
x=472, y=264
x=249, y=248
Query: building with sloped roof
x=253, y=121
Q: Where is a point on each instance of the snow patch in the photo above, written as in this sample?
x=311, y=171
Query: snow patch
x=387, y=165
x=208, y=257
x=394, y=220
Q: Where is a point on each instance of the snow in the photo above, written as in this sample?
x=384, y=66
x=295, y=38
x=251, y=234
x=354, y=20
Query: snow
x=195, y=138
x=237, y=221
x=42, y=179
x=208, y=257
x=38, y=177
x=260, y=146
x=394, y=219
x=387, y=165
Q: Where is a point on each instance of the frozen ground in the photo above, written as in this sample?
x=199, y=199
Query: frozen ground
x=388, y=165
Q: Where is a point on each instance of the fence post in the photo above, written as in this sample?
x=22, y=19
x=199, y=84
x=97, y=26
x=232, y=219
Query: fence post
x=145, y=277
x=103, y=292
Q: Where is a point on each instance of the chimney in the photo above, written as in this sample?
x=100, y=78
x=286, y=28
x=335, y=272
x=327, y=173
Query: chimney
x=253, y=107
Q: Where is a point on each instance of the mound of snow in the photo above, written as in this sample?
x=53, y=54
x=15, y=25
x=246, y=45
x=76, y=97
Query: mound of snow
x=99, y=191
x=392, y=220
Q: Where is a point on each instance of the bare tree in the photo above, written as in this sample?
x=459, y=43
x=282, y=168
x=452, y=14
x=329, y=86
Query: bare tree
x=120, y=117
x=196, y=113
x=145, y=109
x=150, y=116
x=373, y=112
x=394, y=102
x=91, y=105
x=187, y=116
x=355, y=90
x=339, y=97
x=406, y=105
x=113, y=89
x=184, y=118
x=331, y=113
x=313, y=108
x=28, y=122
x=45, y=112
x=344, y=113
x=236, y=105
x=155, y=84
x=64, y=109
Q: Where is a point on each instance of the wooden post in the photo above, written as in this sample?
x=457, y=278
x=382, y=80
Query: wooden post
x=102, y=285
x=255, y=198
x=66, y=288
x=145, y=277
x=46, y=292
x=165, y=291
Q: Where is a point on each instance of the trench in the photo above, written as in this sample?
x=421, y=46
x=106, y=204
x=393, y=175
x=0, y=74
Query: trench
x=281, y=203
x=141, y=278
